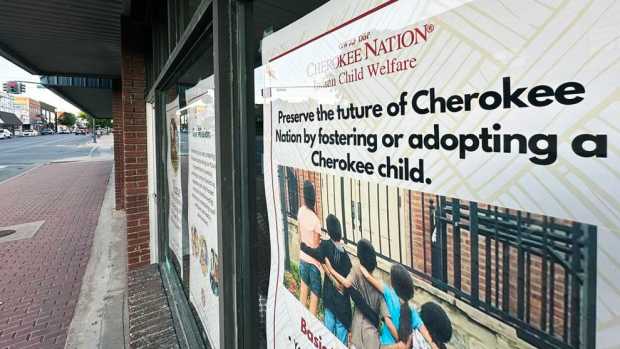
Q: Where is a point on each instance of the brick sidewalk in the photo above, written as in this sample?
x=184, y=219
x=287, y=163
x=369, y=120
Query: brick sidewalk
x=40, y=278
x=150, y=320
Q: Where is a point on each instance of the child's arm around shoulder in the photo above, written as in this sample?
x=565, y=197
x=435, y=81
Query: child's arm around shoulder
x=341, y=279
x=376, y=283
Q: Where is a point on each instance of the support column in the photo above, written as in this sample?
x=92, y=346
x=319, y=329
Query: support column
x=134, y=142
x=119, y=158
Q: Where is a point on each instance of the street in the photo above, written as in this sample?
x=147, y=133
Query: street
x=19, y=154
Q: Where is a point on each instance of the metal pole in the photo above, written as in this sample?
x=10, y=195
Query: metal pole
x=94, y=132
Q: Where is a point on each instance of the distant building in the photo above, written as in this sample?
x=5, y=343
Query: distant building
x=33, y=109
x=22, y=112
x=48, y=112
x=7, y=102
x=8, y=119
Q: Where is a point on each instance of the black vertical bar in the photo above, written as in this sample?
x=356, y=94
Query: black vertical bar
x=379, y=219
x=320, y=195
x=353, y=208
x=520, y=268
x=327, y=191
x=435, y=254
x=456, y=242
x=423, y=230
x=528, y=290
x=496, y=238
x=487, y=269
x=334, y=195
x=551, y=298
x=330, y=196
x=359, y=213
x=545, y=278
x=588, y=330
x=400, y=242
x=506, y=273
x=528, y=278
x=473, y=237
x=575, y=258
x=369, y=214
x=505, y=277
x=343, y=210
x=566, y=306
x=411, y=230
x=443, y=233
x=387, y=218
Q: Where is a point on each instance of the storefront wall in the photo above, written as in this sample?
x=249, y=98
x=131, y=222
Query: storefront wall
x=224, y=261
x=192, y=42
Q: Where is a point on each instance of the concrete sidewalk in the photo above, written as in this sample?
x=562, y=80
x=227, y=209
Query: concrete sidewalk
x=102, y=150
x=42, y=272
x=101, y=319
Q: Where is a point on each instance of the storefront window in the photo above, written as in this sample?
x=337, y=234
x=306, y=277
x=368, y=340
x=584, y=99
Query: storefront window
x=191, y=259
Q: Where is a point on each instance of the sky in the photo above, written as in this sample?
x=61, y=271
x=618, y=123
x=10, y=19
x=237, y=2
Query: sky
x=10, y=72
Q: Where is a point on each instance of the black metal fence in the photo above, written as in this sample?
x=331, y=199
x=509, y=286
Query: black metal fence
x=533, y=272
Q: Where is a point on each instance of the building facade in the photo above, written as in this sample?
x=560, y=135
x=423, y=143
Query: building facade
x=48, y=113
x=7, y=102
x=30, y=111
x=8, y=118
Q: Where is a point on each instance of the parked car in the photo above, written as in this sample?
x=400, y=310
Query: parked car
x=29, y=133
x=47, y=131
x=80, y=131
x=6, y=133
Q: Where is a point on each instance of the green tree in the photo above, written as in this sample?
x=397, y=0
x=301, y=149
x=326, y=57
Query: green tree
x=67, y=119
x=104, y=122
x=98, y=122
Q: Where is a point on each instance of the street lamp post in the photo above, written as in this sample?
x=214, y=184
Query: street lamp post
x=94, y=131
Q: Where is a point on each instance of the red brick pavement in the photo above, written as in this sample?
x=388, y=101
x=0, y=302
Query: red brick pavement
x=40, y=278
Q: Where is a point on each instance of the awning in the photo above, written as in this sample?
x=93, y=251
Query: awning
x=69, y=38
x=9, y=119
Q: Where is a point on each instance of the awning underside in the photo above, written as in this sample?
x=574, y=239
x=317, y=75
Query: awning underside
x=66, y=37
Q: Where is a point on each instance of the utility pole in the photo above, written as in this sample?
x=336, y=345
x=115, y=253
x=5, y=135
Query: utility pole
x=94, y=131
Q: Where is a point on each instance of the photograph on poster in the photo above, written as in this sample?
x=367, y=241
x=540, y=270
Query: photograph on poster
x=356, y=251
x=207, y=259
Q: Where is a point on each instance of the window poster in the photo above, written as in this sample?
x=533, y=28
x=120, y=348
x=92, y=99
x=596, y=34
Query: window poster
x=204, y=269
x=175, y=193
x=444, y=174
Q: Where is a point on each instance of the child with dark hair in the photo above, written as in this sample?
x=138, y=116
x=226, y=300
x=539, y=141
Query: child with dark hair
x=364, y=331
x=337, y=302
x=309, y=234
x=437, y=322
x=397, y=296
